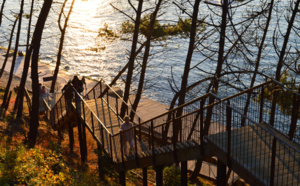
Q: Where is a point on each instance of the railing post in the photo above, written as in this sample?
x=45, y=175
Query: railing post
x=107, y=98
x=228, y=129
x=71, y=136
x=136, y=150
x=117, y=105
x=273, y=108
x=121, y=142
x=261, y=104
x=93, y=127
x=78, y=110
x=100, y=87
x=272, y=175
x=152, y=142
x=110, y=144
x=201, y=127
x=175, y=138
x=83, y=130
x=140, y=132
x=102, y=136
x=149, y=137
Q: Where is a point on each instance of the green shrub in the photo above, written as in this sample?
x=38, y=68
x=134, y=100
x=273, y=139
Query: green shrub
x=171, y=176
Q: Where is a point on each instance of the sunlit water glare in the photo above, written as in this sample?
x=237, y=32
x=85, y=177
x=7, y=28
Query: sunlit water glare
x=86, y=54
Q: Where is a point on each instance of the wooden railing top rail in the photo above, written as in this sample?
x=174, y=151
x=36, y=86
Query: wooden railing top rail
x=254, y=122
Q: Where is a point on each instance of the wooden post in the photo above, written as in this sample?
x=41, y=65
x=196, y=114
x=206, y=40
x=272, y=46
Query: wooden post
x=93, y=126
x=184, y=173
x=159, y=175
x=99, y=160
x=201, y=127
x=221, y=174
x=261, y=104
x=152, y=143
x=84, y=132
x=174, y=139
x=122, y=178
x=273, y=108
x=272, y=175
x=228, y=129
x=117, y=106
x=71, y=137
x=135, y=148
x=145, y=181
x=83, y=160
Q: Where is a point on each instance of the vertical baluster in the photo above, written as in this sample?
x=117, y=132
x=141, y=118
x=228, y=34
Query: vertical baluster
x=102, y=136
x=136, y=150
x=149, y=137
x=140, y=132
x=152, y=142
x=117, y=106
x=228, y=128
x=93, y=127
x=261, y=104
x=100, y=88
x=295, y=111
x=201, y=127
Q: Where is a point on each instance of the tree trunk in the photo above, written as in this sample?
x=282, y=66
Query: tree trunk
x=61, y=44
x=145, y=59
x=132, y=58
x=184, y=81
x=215, y=82
x=260, y=50
x=20, y=95
x=14, y=57
x=9, y=46
x=37, y=36
x=1, y=11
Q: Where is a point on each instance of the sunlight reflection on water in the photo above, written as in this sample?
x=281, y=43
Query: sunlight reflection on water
x=86, y=54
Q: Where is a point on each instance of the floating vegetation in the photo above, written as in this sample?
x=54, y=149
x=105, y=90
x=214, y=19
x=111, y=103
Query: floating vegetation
x=181, y=28
x=96, y=49
x=106, y=32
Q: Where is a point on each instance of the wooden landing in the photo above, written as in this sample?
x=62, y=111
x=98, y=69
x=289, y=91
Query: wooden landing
x=251, y=156
x=107, y=116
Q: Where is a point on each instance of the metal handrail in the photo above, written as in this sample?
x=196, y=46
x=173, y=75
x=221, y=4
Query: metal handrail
x=167, y=112
x=90, y=109
x=120, y=98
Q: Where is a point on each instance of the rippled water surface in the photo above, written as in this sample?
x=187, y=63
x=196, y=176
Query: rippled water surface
x=98, y=57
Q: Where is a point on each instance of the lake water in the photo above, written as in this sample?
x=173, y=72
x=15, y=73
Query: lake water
x=86, y=54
